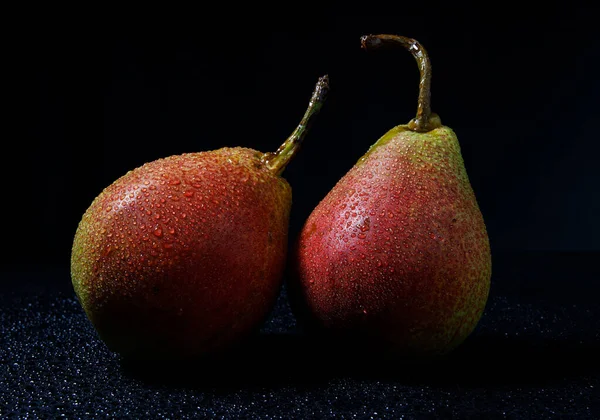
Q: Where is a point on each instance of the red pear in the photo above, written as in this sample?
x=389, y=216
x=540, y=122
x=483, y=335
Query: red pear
x=184, y=255
x=397, y=256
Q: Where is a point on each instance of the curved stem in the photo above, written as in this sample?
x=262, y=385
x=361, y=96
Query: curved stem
x=425, y=119
x=277, y=161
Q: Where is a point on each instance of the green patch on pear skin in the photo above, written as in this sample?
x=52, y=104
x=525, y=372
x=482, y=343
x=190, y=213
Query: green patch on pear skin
x=383, y=140
x=431, y=149
x=442, y=138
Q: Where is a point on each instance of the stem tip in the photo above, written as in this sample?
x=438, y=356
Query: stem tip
x=277, y=161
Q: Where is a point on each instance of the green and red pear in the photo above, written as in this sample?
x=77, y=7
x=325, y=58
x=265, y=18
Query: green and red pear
x=397, y=256
x=184, y=256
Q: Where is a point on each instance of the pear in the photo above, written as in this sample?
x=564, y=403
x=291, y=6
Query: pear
x=397, y=255
x=184, y=256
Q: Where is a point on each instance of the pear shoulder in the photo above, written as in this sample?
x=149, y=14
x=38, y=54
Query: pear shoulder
x=443, y=139
x=229, y=159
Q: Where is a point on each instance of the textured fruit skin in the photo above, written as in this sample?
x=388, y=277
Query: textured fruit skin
x=183, y=256
x=397, y=253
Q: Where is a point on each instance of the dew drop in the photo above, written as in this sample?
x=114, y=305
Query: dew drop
x=158, y=232
x=366, y=225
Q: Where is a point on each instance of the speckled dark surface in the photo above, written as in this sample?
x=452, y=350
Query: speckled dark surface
x=534, y=354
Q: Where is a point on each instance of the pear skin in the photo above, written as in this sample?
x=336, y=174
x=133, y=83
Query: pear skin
x=184, y=255
x=397, y=254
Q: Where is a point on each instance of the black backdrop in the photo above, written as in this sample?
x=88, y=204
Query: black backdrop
x=99, y=92
x=93, y=91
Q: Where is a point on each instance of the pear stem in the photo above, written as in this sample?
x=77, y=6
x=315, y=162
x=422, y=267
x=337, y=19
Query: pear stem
x=425, y=119
x=277, y=161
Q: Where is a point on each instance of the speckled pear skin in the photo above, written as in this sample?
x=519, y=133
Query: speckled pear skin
x=397, y=253
x=183, y=256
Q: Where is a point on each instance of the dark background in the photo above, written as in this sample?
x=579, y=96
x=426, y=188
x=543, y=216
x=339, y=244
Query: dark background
x=100, y=92
x=95, y=91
